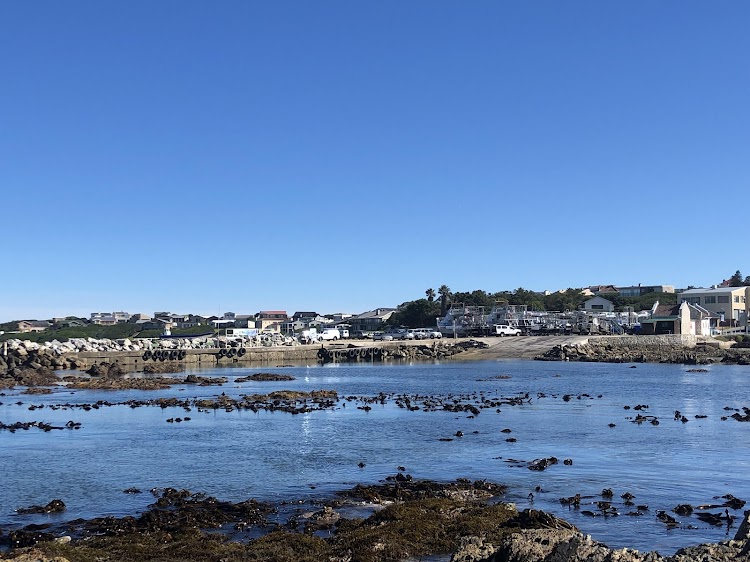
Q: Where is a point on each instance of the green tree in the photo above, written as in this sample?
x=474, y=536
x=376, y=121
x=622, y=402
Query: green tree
x=571, y=299
x=415, y=314
x=531, y=299
x=747, y=280
x=736, y=279
x=430, y=294
x=445, y=295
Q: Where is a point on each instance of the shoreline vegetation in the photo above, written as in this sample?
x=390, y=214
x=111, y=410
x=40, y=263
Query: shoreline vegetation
x=398, y=519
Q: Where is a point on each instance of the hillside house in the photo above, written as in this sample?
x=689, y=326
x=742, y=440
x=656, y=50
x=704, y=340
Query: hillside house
x=27, y=326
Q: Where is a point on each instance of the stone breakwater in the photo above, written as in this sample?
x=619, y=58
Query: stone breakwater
x=28, y=363
x=645, y=349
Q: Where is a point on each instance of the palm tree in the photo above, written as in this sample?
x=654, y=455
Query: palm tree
x=430, y=294
x=445, y=294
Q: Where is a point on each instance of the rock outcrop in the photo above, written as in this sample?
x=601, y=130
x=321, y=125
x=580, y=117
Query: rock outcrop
x=557, y=541
x=637, y=352
x=436, y=350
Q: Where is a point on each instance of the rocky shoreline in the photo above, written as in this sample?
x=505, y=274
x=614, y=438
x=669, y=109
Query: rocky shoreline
x=605, y=351
x=406, y=519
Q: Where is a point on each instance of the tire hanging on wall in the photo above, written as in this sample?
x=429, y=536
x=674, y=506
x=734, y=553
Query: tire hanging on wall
x=181, y=354
x=147, y=355
x=241, y=352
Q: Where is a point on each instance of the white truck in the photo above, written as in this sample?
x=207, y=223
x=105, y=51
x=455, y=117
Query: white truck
x=505, y=330
x=309, y=336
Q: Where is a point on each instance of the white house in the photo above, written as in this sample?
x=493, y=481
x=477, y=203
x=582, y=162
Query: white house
x=598, y=304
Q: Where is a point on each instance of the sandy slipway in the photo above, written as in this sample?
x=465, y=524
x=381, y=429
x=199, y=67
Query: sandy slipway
x=405, y=520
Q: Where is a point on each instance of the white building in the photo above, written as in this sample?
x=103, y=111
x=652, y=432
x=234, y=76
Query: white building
x=729, y=302
x=598, y=304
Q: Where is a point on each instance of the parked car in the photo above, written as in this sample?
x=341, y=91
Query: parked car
x=427, y=333
x=402, y=334
x=382, y=336
x=362, y=335
x=505, y=330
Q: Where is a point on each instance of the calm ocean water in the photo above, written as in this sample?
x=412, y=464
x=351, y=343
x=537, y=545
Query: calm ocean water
x=276, y=456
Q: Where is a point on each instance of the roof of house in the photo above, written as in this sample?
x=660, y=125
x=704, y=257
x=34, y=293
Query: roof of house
x=36, y=323
x=377, y=313
x=717, y=290
x=273, y=312
x=666, y=311
x=603, y=289
x=697, y=312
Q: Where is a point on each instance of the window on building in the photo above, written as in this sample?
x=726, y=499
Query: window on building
x=710, y=300
x=693, y=300
x=597, y=307
x=724, y=299
x=736, y=298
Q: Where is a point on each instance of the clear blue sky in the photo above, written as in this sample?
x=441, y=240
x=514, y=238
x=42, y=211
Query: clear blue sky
x=338, y=156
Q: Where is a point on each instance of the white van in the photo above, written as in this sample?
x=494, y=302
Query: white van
x=330, y=334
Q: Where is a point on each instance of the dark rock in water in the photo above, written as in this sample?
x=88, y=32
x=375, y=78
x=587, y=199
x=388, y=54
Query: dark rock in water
x=684, y=509
x=107, y=370
x=541, y=464
x=132, y=491
x=55, y=506
x=670, y=521
x=717, y=519
x=732, y=502
x=266, y=377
